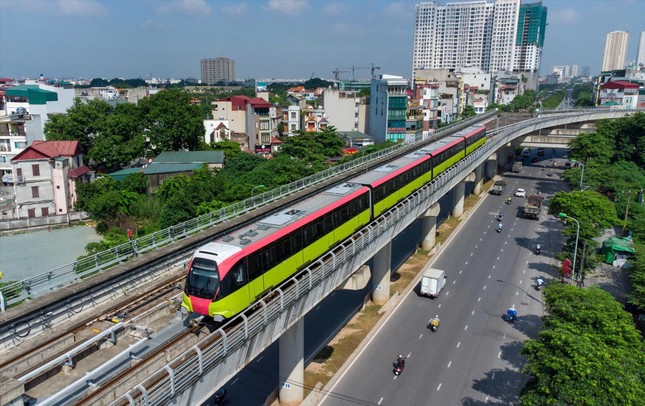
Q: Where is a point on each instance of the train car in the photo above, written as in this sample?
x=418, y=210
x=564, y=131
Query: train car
x=475, y=138
x=230, y=273
x=394, y=181
x=447, y=152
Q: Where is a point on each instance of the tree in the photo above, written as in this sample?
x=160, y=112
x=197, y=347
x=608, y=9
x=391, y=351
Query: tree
x=469, y=111
x=592, y=146
x=172, y=122
x=229, y=148
x=588, y=352
x=81, y=122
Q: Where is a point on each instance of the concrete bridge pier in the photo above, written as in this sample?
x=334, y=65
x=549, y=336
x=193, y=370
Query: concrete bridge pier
x=458, y=199
x=292, y=365
x=430, y=227
x=491, y=166
x=382, y=262
x=479, y=181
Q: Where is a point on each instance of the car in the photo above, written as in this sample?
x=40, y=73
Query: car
x=535, y=159
x=567, y=164
x=549, y=173
x=520, y=193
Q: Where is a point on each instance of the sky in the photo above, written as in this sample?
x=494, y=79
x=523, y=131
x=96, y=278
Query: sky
x=287, y=39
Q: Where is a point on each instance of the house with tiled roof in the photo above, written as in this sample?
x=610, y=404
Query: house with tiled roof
x=44, y=177
x=171, y=163
x=620, y=93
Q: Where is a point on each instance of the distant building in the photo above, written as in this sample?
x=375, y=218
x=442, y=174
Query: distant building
x=574, y=71
x=640, y=55
x=619, y=93
x=388, y=105
x=343, y=108
x=170, y=163
x=585, y=71
x=531, y=28
x=615, y=51
x=217, y=70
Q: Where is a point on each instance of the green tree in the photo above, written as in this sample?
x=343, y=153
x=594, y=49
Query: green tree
x=135, y=182
x=229, y=148
x=469, y=111
x=588, y=352
x=592, y=145
x=81, y=122
x=172, y=122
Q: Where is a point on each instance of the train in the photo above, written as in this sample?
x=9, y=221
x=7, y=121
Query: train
x=230, y=273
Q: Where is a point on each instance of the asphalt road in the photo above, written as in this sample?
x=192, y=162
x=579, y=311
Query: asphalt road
x=474, y=358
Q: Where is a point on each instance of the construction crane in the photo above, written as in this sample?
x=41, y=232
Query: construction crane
x=355, y=68
x=337, y=73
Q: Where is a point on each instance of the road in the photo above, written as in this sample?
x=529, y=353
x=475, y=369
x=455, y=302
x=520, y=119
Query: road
x=474, y=358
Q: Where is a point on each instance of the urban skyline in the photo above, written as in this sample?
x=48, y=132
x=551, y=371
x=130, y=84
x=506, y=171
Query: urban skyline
x=282, y=38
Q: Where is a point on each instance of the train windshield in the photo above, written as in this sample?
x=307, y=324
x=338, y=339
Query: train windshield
x=203, y=279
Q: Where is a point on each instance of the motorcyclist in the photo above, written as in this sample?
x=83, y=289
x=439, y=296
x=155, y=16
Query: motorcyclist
x=500, y=226
x=538, y=249
x=500, y=216
x=434, y=322
x=539, y=282
x=400, y=361
x=511, y=313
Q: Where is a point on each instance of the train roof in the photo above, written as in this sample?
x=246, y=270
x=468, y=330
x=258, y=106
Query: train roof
x=289, y=215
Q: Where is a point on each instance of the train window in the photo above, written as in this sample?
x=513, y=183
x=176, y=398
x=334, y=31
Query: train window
x=238, y=273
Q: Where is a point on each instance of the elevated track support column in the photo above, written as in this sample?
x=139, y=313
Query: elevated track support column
x=458, y=199
x=292, y=365
x=381, y=278
x=430, y=227
x=478, y=180
x=491, y=166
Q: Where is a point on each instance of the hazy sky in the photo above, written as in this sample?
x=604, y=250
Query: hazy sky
x=266, y=38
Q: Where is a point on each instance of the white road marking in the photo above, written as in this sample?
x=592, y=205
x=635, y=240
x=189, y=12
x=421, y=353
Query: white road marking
x=472, y=253
x=498, y=258
x=517, y=293
x=259, y=359
x=409, y=355
x=472, y=313
x=488, y=276
x=466, y=328
x=438, y=387
x=453, y=282
x=439, y=306
x=505, y=242
x=485, y=400
x=458, y=344
x=504, y=336
x=449, y=363
x=333, y=293
x=420, y=335
x=447, y=293
x=520, y=282
x=235, y=381
x=480, y=239
x=493, y=376
x=475, y=246
x=459, y=272
x=466, y=263
x=484, y=287
x=524, y=271
x=499, y=355
x=380, y=401
x=479, y=299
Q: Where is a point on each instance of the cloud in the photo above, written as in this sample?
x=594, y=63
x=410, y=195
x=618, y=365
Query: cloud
x=567, y=15
x=398, y=10
x=187, y=7
x=288, y=6
x=81, y=8
x=237, y=8
x=333, y=9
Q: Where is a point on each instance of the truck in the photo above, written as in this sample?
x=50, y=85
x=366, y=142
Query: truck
x=533, y=206
x=517, y=167
x=432, y=282
x=498, y=187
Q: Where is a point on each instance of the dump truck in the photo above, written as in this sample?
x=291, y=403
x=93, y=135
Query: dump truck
x=498, y=187
x=533, y=206
x=432, y=282
x=517, y=167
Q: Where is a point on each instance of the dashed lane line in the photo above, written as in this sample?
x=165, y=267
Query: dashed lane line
x=458, y=344
x=439, y=388
x=449, y=363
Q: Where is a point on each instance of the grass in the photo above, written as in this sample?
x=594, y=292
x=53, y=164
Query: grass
x=331, y=358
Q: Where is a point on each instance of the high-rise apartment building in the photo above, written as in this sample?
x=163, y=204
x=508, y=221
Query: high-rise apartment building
x=492, y=36
x=217, y=70
x=615, y=50
x=531, y=27
x=585, y=71
x=640, y=55
x=574, y=70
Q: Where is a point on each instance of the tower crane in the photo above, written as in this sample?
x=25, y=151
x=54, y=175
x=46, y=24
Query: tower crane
x=337, y=73
x=355, y=68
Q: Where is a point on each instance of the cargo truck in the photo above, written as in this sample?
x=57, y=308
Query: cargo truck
x=517, y=167
x=498, y=187
x=432, y=282
x=533, y=206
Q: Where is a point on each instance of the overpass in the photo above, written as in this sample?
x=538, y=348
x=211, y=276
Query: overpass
x=221, y=355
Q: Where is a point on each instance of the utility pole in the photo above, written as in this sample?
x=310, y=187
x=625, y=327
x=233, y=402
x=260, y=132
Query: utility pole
x=629, y=195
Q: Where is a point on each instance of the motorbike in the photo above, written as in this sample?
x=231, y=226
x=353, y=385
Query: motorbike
x=539, y=282
x=509, y=200
x=510, y=315
x=499, y=227
x=220, y=396
x=398, y=366
x=434, y=325
x=500, y=216
x=538, y=250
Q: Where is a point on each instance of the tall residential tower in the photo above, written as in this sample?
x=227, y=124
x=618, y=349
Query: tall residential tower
x=217, y=70
x=640, y=56
x=615, y=51
x=531, y=26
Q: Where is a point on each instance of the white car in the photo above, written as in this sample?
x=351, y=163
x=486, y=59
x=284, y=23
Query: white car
x=520, y=193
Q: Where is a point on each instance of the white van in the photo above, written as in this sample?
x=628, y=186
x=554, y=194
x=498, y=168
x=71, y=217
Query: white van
x=432, y=282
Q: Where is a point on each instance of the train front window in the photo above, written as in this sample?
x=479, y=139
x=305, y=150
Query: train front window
x=203, y=279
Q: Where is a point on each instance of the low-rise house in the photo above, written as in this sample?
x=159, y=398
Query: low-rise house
x=170, y=163
x=45, y=176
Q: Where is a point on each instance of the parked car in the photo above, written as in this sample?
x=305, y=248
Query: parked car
x=520, y=193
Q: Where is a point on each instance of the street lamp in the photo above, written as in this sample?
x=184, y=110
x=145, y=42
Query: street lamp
x=582, y=173
x=575, y=250
x=253, y=191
